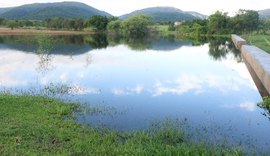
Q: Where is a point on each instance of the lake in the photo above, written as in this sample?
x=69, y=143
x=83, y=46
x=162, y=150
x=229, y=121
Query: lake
x=134, y=83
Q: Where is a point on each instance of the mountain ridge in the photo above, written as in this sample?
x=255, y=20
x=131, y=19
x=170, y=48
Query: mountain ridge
x=166, y=14
x=71, y=9
x=41, y=11
x=264, y=13
x=3, y=10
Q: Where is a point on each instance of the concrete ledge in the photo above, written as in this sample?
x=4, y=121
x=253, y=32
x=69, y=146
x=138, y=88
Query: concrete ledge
x=256, y=80
x=238, y=41
x=259, y=60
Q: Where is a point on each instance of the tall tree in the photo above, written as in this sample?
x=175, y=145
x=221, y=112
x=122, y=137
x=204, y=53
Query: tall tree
x=218, y=23
x=13, y=24
x=99, y=22
x=114, y=26
x=245, y=21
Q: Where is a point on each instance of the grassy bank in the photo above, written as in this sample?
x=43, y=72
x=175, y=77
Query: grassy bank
x=261, y=41
x=163, y=30
x=40, y=126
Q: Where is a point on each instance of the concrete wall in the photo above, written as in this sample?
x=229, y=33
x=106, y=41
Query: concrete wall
x=257, y=59
x=262, y=90
x=238, y=41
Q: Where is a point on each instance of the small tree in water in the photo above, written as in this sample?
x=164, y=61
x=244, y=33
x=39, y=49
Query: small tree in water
x=136, y=26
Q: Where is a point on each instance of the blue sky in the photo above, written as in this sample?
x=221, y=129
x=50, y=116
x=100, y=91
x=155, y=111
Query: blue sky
x=119, y=7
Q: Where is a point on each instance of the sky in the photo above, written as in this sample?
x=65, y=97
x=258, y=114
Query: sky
x=120, y=7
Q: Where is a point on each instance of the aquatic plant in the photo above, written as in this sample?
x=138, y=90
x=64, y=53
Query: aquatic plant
x=265, y=104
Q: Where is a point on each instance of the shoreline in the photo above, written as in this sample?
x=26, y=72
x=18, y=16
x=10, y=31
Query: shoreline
x=33, y=125
x=20, y=31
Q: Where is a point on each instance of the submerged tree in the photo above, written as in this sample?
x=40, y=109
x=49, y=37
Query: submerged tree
x=137, y=25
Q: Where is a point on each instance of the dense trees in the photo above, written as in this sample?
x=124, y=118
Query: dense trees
x=98, y=22
x=114, y=26
x=245, y=21
x=2, y=21
x=61, y=23
x=220, y=23
x=136, y=26
x=264, y=26
x=193, y=28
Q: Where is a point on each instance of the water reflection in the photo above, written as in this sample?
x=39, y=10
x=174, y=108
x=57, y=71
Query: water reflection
x=167, y=77
x=220, y=47
x=97, y=41
x=79, y=44
x=47, y=48
x=63, y=45
x=44, y=47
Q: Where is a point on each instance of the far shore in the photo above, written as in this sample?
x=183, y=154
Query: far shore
x=20, y=31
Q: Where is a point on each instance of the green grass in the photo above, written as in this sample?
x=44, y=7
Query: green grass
x=33, y=125
x=261, y=41
x=163, y=30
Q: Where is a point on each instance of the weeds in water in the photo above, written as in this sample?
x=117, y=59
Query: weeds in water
x=34, y=125
x=60, y=90
x=265, y=104
x=44, y=48
x=42, y=125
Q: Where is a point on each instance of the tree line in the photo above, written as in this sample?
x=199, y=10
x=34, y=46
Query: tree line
x=95, y=22
x=219, y=23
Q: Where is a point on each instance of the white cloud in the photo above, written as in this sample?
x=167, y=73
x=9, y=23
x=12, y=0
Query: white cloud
x=242, y=70
x=183, y=84
x=249, y=106
x=80, y=90
x=63, y=77
x=118, y=91
x=198, y=84
x=138, y=89
x=128, y=91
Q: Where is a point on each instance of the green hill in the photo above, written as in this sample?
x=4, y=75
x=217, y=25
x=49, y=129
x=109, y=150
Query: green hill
x=265, y=13
x=3, y=10
x=165, y=14
x=41, y=11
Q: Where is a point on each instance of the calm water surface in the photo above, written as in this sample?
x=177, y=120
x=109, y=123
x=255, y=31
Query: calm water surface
x=206, y=85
